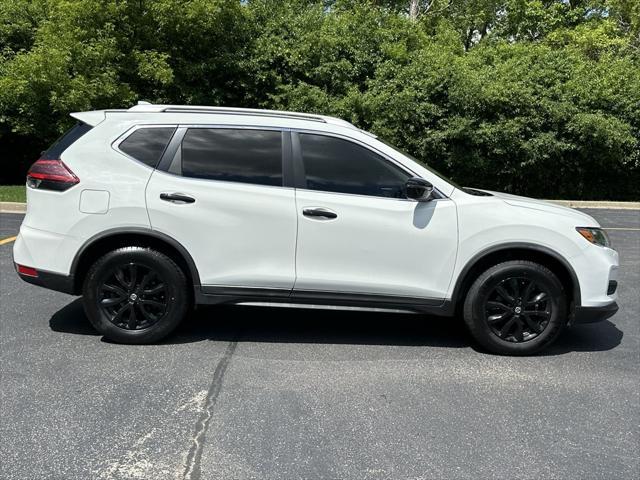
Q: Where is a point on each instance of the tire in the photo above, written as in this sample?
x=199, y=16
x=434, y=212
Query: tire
x=524, y=293
x=139, y=280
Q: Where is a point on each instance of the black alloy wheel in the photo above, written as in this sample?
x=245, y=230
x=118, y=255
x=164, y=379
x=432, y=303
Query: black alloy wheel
x=518, y=309
x=136, y=295
x=133, y=296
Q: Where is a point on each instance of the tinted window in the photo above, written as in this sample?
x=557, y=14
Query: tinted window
x=147, y=144
x=65, y=141
x=242, y=155
x=335, y=165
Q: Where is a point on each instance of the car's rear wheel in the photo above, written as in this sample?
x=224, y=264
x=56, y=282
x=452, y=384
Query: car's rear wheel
x=135, y=295
x=516, y=308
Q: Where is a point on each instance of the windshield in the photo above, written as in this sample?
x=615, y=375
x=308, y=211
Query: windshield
x=422, y=163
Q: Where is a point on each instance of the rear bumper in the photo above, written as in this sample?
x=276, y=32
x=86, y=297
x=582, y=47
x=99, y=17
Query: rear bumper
x=593, y=314
x=52, y=281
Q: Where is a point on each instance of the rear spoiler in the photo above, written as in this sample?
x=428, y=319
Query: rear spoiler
x=91, y=118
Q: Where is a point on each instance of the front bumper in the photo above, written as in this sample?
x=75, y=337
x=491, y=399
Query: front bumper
x=593, y=314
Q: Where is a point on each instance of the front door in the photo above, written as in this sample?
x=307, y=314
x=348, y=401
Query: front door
x=358, y=234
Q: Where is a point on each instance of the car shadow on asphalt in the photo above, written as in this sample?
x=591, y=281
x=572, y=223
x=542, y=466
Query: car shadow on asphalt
x=321, y=326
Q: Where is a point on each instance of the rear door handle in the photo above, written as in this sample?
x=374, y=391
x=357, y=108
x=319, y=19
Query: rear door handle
x=176, y=198
x=319, y=213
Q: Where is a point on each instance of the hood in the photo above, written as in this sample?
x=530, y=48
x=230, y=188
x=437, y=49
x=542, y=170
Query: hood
x=581, y=219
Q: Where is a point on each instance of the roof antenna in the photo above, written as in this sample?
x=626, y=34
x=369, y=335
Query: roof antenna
x=142, y=102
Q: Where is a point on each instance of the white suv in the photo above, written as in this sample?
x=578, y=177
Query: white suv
x=150, y=210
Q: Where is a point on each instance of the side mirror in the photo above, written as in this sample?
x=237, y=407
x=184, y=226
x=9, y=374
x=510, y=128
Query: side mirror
x=418, y=189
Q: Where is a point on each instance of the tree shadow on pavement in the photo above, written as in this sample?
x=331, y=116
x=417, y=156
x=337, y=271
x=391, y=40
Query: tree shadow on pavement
x=321, y=326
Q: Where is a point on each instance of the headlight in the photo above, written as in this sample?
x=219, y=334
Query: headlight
x=597, y=236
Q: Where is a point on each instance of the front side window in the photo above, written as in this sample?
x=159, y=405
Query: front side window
x=336, y=165
x=147, y=144
x=233, y=155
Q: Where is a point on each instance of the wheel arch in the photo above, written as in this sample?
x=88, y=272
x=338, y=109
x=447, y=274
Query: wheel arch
x=115, y=238
x=517, y=251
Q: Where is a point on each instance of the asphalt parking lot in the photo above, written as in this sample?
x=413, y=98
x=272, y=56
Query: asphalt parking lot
x=248, y=392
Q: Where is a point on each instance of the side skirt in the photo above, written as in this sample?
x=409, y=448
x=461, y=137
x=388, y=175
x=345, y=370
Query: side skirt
x=215, y=295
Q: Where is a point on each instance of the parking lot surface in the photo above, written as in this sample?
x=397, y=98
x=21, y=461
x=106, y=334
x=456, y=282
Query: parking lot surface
x=286, y=393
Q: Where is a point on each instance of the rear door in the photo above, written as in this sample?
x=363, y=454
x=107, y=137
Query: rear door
x=222, y=198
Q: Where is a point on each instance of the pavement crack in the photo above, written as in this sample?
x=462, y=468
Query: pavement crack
x=192, y=466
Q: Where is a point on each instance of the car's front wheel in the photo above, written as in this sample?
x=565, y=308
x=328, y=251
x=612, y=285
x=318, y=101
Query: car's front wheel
x=135, y=295
x=516, y=308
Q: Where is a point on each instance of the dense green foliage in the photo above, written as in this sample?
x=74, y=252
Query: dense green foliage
x=536, y=97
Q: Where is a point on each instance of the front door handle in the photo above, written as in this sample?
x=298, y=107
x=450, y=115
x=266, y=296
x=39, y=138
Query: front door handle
x=319, y=213
x=176, y=198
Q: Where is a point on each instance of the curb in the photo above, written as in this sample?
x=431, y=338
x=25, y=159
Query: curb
x=13, y=207
x=16, y=207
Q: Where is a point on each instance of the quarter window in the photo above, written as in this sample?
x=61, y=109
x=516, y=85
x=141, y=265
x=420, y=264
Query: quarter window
x=65, y=141
x=233, y=155
x=147, y=144
x=335, y=165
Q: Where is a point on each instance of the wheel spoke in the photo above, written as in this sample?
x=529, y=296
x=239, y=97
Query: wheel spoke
x=152, y=303
x=498, y=305
x=119, y=313
x=538, y=313
x=541, y=297
x=119, y=274
x=133, y=275
x=518, y=334
x=147, y=314
x=527, y=291
x=505, y=295
x=114, y=289
x=515, y=287
x=131, y=324
x=146, y=280
x=534, y=326
x=110, y=302
x=498, y=316
x=506, y=327
x=154, y=290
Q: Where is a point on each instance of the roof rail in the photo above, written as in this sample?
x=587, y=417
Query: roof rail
x=151, y=108
x=147, y=107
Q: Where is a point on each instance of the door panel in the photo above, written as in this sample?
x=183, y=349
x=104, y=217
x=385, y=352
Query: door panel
x=375, y=245
x=238, y=234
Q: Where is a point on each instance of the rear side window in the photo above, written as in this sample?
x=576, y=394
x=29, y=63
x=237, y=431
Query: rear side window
x=233, y=155
x=147, y=144
x=65, y=141
x=336, y=165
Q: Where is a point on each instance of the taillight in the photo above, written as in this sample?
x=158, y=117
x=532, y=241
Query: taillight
x=28, y=271
x=51, y=175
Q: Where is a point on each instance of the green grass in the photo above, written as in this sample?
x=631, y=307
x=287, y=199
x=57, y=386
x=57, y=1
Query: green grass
x=13, y=193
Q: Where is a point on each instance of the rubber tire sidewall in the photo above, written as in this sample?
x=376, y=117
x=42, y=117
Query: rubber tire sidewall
x=474, y=307
x=177, y=294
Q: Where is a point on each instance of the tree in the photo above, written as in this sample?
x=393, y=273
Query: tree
x=496, y=93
